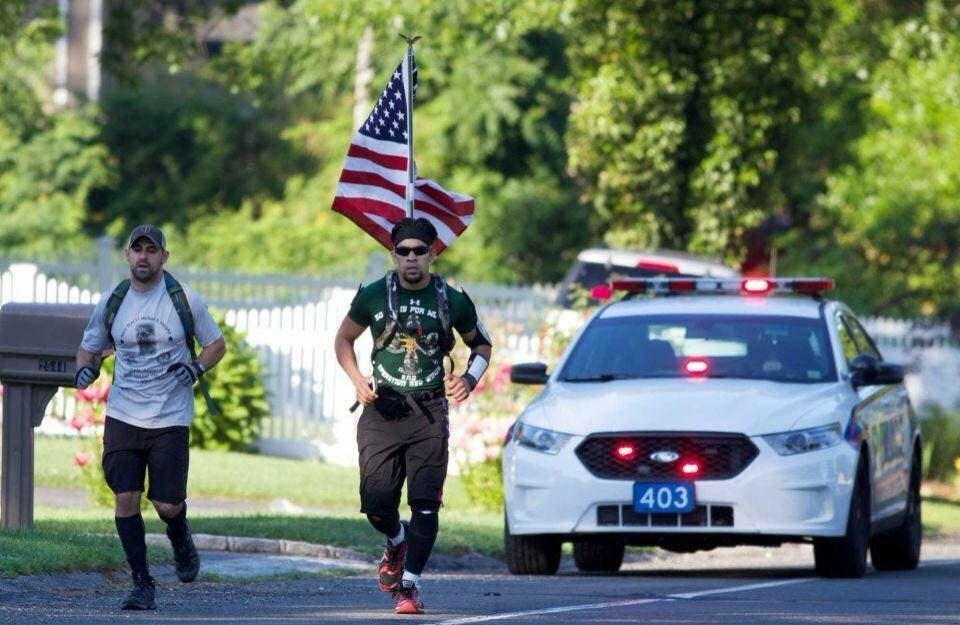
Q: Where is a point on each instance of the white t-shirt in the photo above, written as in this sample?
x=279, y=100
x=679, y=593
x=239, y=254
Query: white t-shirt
x=148, y=338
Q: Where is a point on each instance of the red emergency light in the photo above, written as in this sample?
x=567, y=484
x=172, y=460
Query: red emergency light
x=690, y=468
x=696, y=366
x=625, y=451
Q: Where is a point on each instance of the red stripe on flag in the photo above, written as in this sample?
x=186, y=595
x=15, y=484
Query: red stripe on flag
x=376, y=180
x=448, y=220
x=384, y=160
x=463, y=208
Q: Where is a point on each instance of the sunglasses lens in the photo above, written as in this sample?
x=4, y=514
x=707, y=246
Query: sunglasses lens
x=419, y=250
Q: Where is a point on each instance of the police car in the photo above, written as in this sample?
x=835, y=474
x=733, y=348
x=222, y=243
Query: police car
x=698, y=413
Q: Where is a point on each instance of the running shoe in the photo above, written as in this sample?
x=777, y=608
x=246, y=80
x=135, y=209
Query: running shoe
x=406, y=598
x=143, y=595
x=391, y=565
x=186, y=558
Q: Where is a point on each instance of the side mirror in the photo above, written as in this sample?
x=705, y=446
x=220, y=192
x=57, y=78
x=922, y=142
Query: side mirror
x=867, y=370
x=529, y=373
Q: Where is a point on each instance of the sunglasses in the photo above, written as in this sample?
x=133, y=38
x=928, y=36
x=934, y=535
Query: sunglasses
x=403, y=251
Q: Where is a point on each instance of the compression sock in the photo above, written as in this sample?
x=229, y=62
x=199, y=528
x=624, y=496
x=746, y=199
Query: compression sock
x=133, y=538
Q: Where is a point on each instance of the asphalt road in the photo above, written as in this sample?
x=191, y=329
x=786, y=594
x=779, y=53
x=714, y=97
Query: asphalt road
x=744, y=585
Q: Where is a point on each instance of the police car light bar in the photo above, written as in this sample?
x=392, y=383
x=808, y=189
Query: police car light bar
x=742, y=286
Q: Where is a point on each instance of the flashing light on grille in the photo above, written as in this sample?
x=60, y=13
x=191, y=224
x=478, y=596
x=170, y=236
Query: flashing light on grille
x=711, y=286
x=690, y=468
x=625, y=451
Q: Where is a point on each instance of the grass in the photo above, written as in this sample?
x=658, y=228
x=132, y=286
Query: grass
x=68, y=540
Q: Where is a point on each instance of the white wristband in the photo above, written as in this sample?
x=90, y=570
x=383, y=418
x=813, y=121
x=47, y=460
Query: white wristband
x=477, y=366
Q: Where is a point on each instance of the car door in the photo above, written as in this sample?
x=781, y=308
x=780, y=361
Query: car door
x=885, y=416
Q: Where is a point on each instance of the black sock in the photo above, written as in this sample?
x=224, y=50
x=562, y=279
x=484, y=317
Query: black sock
x=423, y=533
x=386, y=524
x=133, y=538
x=177, y=525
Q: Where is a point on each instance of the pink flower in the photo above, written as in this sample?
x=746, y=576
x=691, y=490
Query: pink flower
x=94, y=394
x=82, y=418
x=81, y=458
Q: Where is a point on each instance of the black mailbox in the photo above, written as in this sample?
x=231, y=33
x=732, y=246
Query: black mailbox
x=38, y=348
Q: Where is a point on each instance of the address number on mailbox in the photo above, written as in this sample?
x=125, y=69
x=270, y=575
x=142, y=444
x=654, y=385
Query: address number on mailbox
x=51, y=365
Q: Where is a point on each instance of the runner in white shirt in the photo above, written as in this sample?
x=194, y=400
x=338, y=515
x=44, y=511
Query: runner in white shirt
x=150, y=405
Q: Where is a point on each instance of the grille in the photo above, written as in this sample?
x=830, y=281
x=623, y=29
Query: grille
x=700, y=516
x=721, y=456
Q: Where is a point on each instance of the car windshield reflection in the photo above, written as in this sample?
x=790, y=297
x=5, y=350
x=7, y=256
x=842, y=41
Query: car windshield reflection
x=774, y=348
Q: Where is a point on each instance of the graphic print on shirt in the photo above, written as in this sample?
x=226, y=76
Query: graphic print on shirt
x=419, y=347
x=145, y=346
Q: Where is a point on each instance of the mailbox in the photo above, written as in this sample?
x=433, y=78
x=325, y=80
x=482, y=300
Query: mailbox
x=38, y=348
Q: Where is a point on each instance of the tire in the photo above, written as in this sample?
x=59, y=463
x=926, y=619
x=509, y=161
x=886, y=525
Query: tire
x=846, y=556
x=600, y=554
x=899, y=549
x=535, y=554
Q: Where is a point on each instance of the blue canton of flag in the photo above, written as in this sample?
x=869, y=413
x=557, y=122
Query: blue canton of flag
x=388, y=120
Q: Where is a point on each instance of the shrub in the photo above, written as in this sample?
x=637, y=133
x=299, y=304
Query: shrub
x=940, y=431
x=238, y=392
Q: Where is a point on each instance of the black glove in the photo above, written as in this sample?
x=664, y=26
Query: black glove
x=187, y=372
x=85, y=377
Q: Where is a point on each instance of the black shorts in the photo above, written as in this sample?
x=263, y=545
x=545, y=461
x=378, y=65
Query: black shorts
x=411, y=447
x=129, y=452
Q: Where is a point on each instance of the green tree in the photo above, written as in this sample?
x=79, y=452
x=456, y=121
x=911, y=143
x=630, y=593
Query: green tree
x=889, y=223
x=50, y=162
x=683, y=113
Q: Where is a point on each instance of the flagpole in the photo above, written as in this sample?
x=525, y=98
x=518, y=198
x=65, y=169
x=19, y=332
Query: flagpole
x=408, y=89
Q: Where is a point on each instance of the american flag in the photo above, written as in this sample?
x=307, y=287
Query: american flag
x=372, y=187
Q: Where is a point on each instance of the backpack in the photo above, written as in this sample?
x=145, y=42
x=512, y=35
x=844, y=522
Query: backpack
x=392, y=325
x=180, y=304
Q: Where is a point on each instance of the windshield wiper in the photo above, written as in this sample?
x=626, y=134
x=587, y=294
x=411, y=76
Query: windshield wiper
x=603, y=377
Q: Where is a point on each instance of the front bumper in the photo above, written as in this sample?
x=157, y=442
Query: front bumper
x=804, y=495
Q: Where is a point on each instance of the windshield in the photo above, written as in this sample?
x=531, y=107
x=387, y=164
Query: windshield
x=781, y=349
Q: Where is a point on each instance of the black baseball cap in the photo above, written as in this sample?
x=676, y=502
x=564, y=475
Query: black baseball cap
x=151, y=232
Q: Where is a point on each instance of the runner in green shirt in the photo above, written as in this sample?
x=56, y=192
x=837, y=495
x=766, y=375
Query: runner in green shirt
x=403, y=431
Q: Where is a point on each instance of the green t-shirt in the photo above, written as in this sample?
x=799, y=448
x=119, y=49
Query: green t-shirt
x=413, y=361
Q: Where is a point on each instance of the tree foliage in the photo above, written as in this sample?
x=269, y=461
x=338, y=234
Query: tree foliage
x=889, y=221
x=683, y=108
x=50, y=162
x=700, y=125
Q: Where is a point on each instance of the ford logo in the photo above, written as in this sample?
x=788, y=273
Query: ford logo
x=664, y=456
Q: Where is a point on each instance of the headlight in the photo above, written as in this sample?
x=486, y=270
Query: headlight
x=802, y=441
x=539, y=439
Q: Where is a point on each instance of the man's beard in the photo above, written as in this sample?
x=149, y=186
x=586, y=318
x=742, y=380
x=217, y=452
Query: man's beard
x=413, y=274
x=144, y=274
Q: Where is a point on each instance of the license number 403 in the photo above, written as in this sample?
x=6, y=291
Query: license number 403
x=663, y=497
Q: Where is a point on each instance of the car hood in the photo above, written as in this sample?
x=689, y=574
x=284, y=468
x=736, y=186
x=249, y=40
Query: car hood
x=751, y=407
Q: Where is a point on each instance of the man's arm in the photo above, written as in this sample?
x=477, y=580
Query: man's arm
x=460, y=387
x=347, y=335
x=211, y=354
x=88, y=368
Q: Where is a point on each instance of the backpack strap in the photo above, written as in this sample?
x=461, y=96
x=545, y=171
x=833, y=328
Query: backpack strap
x=443, y=312
x=182, y=306
x=393, y=321
x=113, y=305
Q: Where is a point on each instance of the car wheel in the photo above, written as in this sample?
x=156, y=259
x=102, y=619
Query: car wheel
x=599, y=554
x=846, y=556
x=899, y=549
x=535, y=554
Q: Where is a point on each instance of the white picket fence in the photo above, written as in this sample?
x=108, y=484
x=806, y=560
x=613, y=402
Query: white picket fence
x=308, y=393
x=291, y=322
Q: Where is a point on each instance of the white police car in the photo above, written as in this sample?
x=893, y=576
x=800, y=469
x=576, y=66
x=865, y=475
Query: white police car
x=717, y=412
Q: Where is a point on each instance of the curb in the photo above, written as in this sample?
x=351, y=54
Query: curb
x=240, y=544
